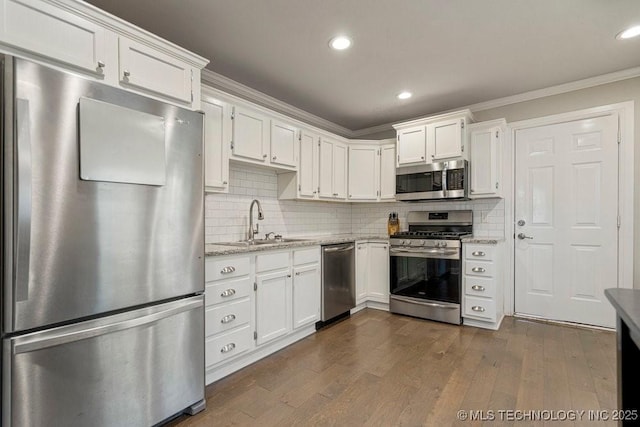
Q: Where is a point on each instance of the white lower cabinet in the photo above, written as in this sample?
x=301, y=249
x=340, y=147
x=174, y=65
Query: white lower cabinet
x=481, y=280
x=228, y=314
x=258, y=303
x=372, y=272
x=306, y=295
x=273, y=305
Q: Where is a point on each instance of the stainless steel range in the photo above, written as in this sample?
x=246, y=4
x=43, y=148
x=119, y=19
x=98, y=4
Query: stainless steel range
x=426, y=261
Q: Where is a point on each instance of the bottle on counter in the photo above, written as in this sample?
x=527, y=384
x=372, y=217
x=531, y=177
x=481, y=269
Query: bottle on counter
x=393, y=224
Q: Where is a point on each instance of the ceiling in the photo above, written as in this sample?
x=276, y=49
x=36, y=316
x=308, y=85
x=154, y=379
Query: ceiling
x=449, y=54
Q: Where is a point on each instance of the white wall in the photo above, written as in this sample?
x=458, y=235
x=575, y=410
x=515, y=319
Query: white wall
x=227, y=215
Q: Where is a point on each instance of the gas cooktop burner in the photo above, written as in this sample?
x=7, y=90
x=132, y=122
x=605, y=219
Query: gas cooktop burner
x=446, y=235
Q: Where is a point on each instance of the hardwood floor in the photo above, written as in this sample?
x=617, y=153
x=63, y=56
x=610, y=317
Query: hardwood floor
x=380, y=369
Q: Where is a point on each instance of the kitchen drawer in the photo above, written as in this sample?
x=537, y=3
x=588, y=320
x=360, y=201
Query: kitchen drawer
x=224, y=346
x=480, y=286
x=229, y=290
x=480, y=308
x=480, y=252
x=306, y=256
x=223, y=317
x=272, y=261
x=479, y=268
x=224, y=268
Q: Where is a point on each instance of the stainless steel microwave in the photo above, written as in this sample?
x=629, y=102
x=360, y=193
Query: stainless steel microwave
x=433, y=181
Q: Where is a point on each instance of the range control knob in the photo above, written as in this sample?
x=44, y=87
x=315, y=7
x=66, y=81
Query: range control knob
x=417, y=243
x=443, y=244
x=406, y=242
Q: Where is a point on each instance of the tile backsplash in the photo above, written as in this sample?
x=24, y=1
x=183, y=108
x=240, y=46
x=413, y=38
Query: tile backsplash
x=227, y=215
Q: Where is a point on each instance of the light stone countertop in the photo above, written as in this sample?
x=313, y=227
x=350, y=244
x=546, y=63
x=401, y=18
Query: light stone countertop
x=213, y=249
x=483, y=240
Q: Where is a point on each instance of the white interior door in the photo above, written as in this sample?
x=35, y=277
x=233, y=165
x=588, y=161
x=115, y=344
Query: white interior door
x=566, y=215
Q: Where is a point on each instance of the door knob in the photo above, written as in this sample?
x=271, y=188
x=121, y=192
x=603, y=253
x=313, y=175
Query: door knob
x=523, y=236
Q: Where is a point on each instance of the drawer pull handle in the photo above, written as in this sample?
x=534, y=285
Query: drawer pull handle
x=227, y=270
x=478, y=288
x=477, y=308
x=227, y=348
x=228, y=293
x=478, y=270
x=228, y=318
x=478, y=253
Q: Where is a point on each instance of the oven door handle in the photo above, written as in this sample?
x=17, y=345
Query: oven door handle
x=426, y=253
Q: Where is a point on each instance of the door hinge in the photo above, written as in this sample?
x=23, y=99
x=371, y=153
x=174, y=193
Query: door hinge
x=255, y=286
x=398, y=158
x=462, y=124
x=497, y=185
x=191, y=96
x=398, y=138
x=497, y=134
x=233, y=113
x=255, y=335
x=378, y=193
x=300, y=136
x=299, y=187
x=619, y=221
x=378, y=152
x=232, y=145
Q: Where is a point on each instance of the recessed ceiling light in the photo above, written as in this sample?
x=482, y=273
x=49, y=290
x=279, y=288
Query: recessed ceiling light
x=629, y=33
x=404, y=95
x=340, y=42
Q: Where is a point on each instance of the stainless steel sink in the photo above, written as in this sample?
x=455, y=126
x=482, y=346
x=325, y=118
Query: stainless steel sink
x=261, y=242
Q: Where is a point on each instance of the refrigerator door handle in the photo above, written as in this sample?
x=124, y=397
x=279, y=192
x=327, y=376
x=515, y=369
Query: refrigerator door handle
x=23, y=200
x=72, y=333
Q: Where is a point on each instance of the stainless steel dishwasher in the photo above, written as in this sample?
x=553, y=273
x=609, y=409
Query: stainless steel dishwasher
x=338, y=280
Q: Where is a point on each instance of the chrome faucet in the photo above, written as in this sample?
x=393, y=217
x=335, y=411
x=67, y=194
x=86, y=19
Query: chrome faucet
x=252, y=231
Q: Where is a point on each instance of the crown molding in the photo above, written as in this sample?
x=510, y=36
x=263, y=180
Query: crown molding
x=228, y=85
x=522, y=97
x=245, y=92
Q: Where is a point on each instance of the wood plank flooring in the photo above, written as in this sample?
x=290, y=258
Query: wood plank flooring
x=379, y=369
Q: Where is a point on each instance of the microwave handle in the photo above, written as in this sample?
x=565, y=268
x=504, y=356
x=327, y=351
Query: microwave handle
x=445, y=187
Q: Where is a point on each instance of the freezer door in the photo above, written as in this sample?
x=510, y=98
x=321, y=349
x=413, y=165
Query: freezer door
x=131, y=369
x=105, y=216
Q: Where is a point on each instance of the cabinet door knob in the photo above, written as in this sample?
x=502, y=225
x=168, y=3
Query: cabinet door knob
x=288, y=275
x=264, y=156
x=224, y=182
x=228, y=293
x=228, y=318
x=126, y=73
x=274, y=158
x=101, y=65
x=227, y=348
x=421, y=157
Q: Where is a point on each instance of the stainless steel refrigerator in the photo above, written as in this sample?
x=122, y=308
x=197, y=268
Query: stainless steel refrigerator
x=102, y=253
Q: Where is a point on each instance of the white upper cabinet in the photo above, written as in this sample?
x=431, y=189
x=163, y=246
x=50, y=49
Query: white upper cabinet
x=333, y=169
x=446, y=139
x=41, y=28
x=485, y=161
x=82, y=38
x=250, y=135
x=149, y=70
x=217, y=134
x=340, y=171
x=309, y=165
x=284, y=144
x=387, y=172
x=364, y=172
x=412, y=145
x=432, y=139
